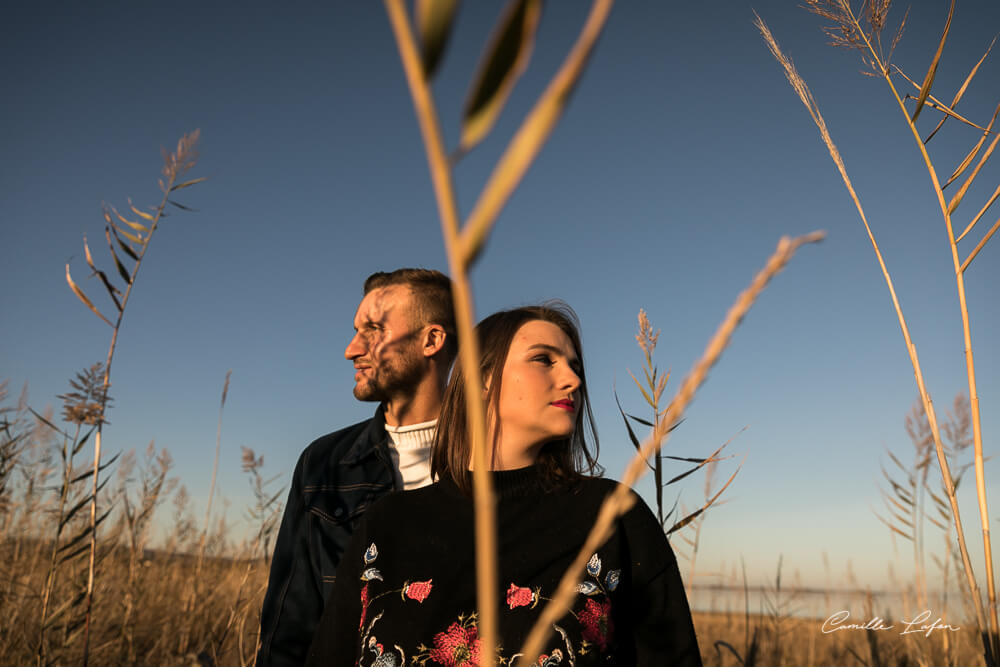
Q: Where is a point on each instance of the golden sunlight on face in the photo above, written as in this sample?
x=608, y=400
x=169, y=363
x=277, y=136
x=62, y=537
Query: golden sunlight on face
x=539, y=393
x=385, y=347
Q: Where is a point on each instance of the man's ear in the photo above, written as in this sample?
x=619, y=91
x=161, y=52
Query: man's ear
x=434, y=340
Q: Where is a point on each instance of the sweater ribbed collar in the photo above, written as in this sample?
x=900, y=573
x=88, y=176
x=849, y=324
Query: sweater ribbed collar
x=518, y=483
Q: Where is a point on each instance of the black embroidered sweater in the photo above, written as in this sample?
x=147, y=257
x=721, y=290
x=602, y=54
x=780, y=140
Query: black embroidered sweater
x=406, y=593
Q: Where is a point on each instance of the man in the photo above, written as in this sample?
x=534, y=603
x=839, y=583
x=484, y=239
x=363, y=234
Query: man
x=403, y=347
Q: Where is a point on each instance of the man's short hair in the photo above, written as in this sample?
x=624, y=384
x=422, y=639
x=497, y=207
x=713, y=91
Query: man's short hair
x=432, y=299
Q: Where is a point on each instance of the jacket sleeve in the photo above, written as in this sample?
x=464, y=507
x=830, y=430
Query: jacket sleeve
x=293, y=601
x=337, y=635
x=663, y=629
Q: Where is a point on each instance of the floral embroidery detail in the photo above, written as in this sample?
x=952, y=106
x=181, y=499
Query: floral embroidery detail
x=549, y=660
x=543, y=660
x=596, y=621
x=519, y=596
x=364, y=606
x=593, y=565
x=567, y=642
x=418, y=590
x=383, y=658
x=458, y=646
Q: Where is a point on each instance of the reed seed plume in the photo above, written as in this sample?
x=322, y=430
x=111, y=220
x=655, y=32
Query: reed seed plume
x=646, y=338
x=88, y=402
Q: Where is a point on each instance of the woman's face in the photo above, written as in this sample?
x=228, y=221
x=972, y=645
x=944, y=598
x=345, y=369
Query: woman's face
x=539, y=393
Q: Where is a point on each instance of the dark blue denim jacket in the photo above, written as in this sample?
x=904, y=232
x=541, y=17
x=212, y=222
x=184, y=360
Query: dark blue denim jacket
x=337, y=477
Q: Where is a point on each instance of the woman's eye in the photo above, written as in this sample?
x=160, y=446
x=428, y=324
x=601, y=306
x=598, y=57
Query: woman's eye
x=543, y=358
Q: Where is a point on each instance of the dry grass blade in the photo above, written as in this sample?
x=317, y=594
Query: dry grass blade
x=936, y=522
x=122, y=271
x=186, y=184
x=957, y=199
x=504, y=60
x=701, y=463
x=531, y=136
x=890, y=499
x=622, y=499
x=925, y=89
x=691, y=517
x=899, y=35
x=947, y=111
x=628, y=427
x=938, y=105
x=134, y=225
x=113, y=291
x=961, y=91
x=645, y=394
x=120, y=231
x=83, y=297
x=982, y=211
x=434, y=21
x=979, y=246
x=891, y=527
x=970, y=156
x=126, y=248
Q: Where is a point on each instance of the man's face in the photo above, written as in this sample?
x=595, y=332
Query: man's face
x=386, y=346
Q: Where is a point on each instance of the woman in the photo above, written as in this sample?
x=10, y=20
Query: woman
x=405, y=591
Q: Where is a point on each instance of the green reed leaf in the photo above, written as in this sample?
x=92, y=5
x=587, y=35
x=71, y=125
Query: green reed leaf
x=187, y=184
x=434, y=21
x=925, y=89
x=504, y=60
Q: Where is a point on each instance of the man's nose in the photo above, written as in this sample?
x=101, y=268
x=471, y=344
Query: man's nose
x=355, y=348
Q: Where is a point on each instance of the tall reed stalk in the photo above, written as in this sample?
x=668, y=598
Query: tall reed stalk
x=192, y=585
x=849, y=31
x=505, y=58
x=132, y=238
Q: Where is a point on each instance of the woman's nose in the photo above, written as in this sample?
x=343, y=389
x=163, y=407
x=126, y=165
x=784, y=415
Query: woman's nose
x=570, y=380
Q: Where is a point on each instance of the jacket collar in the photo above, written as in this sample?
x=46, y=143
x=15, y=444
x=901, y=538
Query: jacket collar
x=371, y=439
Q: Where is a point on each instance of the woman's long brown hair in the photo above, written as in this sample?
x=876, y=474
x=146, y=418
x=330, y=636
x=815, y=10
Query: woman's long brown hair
x=561, y=461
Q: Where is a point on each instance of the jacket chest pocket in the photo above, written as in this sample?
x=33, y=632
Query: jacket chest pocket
x=345, y=503
x=336, y=511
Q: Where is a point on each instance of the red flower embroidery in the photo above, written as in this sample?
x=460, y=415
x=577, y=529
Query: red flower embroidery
x=596, y=621
x=364, y=606
x=418, y=590
x=518, y=596
x=457, y=647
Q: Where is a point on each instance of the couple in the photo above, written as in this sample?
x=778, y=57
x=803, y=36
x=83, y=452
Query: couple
x=392, y=583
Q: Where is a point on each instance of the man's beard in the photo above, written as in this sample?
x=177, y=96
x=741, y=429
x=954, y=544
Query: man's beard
x=399, y=375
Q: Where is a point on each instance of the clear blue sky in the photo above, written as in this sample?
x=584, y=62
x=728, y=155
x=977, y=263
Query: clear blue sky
x=682, y=159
